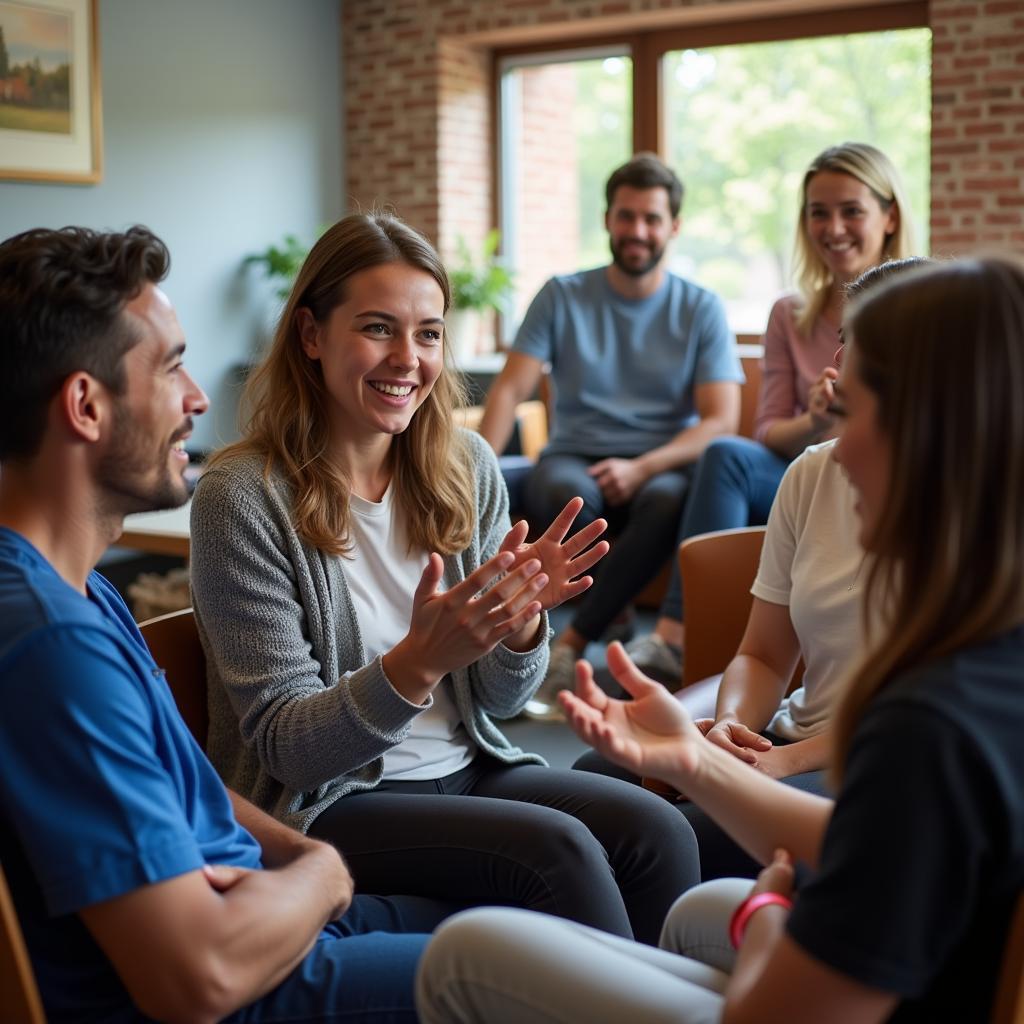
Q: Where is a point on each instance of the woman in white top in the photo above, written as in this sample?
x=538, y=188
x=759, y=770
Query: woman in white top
x=853, y=215
x=806, y=606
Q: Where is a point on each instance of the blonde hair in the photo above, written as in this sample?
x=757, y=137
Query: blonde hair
x=286, y=404
x=872, y=168
x=942, y=350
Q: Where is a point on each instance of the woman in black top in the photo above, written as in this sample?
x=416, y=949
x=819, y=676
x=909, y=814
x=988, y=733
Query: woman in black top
x=918, y=863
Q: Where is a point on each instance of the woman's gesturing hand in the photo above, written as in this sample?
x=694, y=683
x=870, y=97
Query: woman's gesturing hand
x=740, y=741
x=820, y=397
x=652, y=734
x=452, y=629
x=561, y=560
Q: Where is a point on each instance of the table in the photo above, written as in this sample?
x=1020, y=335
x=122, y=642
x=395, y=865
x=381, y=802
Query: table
x=158, y=533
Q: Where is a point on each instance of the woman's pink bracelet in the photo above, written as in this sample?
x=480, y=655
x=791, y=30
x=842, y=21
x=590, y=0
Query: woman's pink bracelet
x=746, y=910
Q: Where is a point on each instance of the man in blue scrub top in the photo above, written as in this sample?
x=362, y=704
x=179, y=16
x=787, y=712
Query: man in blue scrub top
x=646, y=375
x=144, y=888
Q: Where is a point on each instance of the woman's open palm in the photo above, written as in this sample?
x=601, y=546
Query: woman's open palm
x=561, y=560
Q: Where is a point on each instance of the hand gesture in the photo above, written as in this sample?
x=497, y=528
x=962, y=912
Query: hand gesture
x=820, y=397
x=561, y=560
x=619, y=479
x=452, y=629
x=777, y=876
x=650, y=735
x=740, y=741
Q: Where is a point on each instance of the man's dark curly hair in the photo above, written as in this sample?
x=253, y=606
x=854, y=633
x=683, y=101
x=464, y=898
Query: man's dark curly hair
x=62, y=295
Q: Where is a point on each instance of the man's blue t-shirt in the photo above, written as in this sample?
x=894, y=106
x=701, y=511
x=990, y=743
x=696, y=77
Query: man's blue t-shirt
x=102, y=787
x=625, y=370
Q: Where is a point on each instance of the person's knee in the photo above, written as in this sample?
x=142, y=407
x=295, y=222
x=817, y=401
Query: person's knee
x=655, y=830
x=463, y=949
x=661, y=500
x=564, y=843
x=699, y=919
x=549, y=489
x=727, y=458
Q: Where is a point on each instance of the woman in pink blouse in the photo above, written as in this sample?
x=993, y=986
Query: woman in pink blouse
x=853, y=215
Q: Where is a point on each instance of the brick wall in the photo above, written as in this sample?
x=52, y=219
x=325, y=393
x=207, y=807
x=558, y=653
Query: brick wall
x=977, y=124
x=419, y=110
x=548, y=202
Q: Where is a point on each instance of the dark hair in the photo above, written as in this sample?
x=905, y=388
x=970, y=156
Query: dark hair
x=646, y=170
x=62, y=293
x=882, y=272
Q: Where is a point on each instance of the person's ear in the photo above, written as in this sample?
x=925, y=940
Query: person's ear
x=677, y=223
x=892, y=222
x=309, y=332
x=85, y=406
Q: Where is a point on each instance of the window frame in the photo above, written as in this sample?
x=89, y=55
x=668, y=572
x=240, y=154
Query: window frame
x=647, y=49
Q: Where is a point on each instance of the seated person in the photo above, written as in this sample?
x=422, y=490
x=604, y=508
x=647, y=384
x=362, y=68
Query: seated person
x=806, y=606
x=645, y=374
x=918, y=863
x=369, y=612
x=142, y=886
x=853, y=215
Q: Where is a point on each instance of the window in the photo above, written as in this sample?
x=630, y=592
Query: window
x=738, y=121
x=743, y=122
x=566, y=125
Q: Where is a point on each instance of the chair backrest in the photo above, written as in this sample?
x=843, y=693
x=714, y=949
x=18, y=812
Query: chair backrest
x=752, y=361
x=173, y=640
x=717, y=571
x=19, y=995
x=1009, y=1004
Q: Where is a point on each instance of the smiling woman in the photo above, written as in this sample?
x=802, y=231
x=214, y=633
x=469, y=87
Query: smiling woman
x=368, y=611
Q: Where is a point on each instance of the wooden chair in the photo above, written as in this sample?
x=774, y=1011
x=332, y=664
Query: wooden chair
x=1009, y=1003
x=752, y=361
x=531, y=420
x=717, y=571
x=173, y=640
x=19, y=995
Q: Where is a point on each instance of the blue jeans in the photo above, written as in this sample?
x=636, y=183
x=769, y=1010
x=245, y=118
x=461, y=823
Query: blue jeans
x=734, y=486
x=643, y=531
x=356, y=972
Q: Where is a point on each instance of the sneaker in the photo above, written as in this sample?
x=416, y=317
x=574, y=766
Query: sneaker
x=544, y=706
x=657, y=657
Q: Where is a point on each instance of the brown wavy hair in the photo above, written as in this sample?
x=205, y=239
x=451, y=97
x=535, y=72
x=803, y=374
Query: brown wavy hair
x=942, y=350
x=285, y=405
x=871, y=167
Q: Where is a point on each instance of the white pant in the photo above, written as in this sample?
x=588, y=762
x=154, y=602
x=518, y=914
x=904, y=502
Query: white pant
x=504, y=966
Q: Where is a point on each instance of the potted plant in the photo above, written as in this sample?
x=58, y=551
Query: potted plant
x=280, y=263
x=480, y=286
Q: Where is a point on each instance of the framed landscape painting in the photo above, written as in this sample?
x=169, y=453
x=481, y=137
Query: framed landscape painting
x=49, y=91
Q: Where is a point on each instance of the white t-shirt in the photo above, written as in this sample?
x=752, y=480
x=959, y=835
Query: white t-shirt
x=382, y=579
x=813, y=563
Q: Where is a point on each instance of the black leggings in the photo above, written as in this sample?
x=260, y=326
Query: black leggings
x=720, y=855
x=582, y=847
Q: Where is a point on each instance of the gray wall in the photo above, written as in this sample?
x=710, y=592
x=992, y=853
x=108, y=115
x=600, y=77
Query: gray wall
x=221, y=132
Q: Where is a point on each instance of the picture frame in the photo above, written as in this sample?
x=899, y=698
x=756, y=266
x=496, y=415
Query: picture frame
x=50, y=99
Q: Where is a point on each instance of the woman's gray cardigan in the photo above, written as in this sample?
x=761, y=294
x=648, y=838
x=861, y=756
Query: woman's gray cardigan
x=298, y=718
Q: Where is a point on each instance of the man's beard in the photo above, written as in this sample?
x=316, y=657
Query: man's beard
x=126, y=471
x=635, y=269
